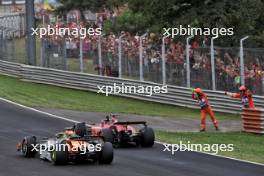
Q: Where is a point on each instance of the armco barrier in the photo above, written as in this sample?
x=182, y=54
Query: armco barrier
x=253, y=120
x=179, y=96
x=10, y=68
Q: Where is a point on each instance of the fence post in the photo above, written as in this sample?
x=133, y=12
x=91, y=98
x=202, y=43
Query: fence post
x=65, y=63
x=141, y=57
x=5, y=43
x=31, y=39
x=1, y=43
x=163, y=50
x=213, y=62
x=100, y=55
x=42, y=52
x=188, y=70
x=23, y=25
x=81, y=55
x=120, y=55
x=13, y=55
x=242, y=68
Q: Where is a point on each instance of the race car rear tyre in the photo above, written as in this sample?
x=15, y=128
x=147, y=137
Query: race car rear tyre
x=108, y=135
x=27, y=148
x=60, y=156
x=80, y=129
x=106, y=155
x=148, y=137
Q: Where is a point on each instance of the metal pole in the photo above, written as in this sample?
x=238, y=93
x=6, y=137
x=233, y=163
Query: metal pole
x=242, y=67
x=188, y=61
x=31, y=39
x=42, y=52
x=5, y=47
x=100, y=55
x=20, y=25
x=13, y=47
x=81, y=55
x=120, y=55
x=141, y=57
x=163, y=49
x=65, y=63
x=213, y=63
x=1, y=43
x=23, y=25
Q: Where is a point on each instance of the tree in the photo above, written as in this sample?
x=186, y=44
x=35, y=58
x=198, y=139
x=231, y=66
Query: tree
x=245, y=16
x=128, y=21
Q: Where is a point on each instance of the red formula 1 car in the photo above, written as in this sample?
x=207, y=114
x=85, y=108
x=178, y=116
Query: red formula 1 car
x=123, y=133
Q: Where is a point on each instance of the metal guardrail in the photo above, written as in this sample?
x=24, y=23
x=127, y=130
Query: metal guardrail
x=10, y=68
x=179, y=96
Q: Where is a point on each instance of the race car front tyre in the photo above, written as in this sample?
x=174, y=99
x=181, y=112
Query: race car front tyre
x=60, y=156
x=27, y=146
x=106, y=155
x=108, y=135
x=148, y=137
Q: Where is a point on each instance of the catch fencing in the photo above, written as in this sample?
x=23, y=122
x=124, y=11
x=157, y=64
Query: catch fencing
x=143, y=58
x=12, y=29
x=127, y=60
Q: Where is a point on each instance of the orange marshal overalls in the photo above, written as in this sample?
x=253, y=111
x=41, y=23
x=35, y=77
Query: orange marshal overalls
x=246, y=98
x=205, y=109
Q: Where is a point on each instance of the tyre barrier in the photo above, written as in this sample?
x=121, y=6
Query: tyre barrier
x=253, y=120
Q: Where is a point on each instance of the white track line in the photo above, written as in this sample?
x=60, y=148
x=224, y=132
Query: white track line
x=221, y=156
x=74, y=121
x=38, y=111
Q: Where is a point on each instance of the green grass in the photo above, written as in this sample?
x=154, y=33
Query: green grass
x=39, y=95
x=246, y=146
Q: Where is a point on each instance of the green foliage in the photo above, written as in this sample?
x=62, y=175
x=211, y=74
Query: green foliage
x=245, y=16
x=92, y=5
x=246, y=146
x=114, y=3
x=128, y=21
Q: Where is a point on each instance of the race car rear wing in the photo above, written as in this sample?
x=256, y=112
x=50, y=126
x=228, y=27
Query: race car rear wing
x=131, y=123
x=84, y=138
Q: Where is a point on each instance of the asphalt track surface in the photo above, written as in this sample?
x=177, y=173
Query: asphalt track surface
x=17, y=122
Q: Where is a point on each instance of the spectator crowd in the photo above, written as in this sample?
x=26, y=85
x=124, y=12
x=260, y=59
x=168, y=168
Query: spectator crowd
x=227, y=63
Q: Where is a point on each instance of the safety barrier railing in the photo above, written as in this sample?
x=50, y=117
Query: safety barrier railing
x=179, y=96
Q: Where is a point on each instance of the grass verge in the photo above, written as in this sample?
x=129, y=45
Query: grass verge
x=46, y=96
x=246, y=146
